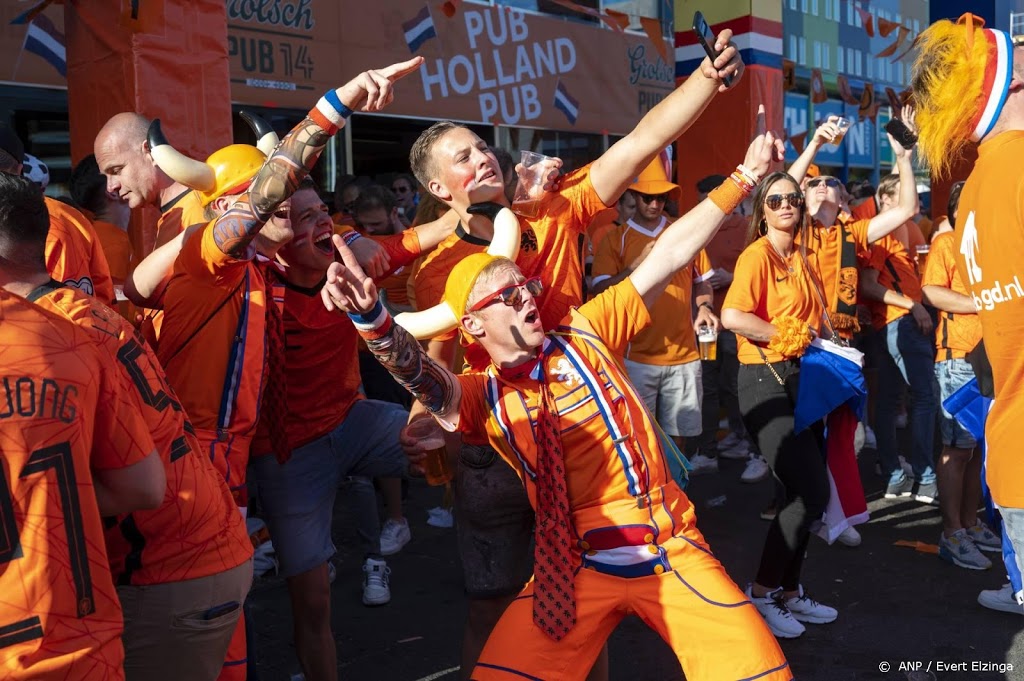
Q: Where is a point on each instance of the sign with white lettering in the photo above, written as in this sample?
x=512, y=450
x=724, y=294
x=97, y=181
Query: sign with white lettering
x=486, y=64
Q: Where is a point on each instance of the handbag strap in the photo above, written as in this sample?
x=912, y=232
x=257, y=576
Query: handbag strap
x=821, y=299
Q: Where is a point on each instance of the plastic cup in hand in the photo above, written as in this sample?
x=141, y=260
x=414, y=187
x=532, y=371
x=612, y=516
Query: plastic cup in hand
x=430, y=438
x=707, y=338
x=533, y=172
x=922, y=254
x=843, y=124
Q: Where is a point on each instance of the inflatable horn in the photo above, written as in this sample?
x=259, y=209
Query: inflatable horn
x=441, y=319
x=176, y=165
x=266, y=138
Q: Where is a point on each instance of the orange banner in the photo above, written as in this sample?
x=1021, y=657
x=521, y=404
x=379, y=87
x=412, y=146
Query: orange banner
x=845, y=92
x=891, y=50
x=652, y=27
x=867, y=19
x=885, y=27
x=620, y=20
x=495, y=65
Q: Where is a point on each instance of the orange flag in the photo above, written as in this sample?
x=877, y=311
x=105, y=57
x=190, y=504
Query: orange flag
x=652, y=27
x=620, y=20
x=867, y=20
x=818, y=94
x=798, y=141
x=900, y=37
x=845, y=91
x=885, y=27
x=867, y=102
x=788, y=74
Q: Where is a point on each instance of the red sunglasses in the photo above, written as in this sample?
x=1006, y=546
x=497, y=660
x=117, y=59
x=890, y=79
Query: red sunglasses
x=510, y=295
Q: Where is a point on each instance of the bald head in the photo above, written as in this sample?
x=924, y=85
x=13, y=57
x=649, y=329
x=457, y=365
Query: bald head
x=122, y=154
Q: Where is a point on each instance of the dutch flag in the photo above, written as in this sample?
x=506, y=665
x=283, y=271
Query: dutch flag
x=45, y=40
x=419, y=29
x=565, y=103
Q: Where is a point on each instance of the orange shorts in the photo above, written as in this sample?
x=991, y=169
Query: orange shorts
x=680, y=590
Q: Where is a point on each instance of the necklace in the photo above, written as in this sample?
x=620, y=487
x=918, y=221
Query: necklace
x=785, y=261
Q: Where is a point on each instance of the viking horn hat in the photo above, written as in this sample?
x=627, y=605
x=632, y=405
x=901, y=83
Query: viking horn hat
x=445, y=316
x=266, y=138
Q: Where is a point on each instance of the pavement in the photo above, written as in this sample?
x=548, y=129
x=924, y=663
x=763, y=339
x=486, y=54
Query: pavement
x=903, y=614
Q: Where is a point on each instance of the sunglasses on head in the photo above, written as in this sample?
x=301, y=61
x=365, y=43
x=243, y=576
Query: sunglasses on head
x=510, y=295
x=794, y=199
x=828, y=181
x=651, y=198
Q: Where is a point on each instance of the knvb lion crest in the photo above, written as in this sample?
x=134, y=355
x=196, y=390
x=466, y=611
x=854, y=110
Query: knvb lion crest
x=566, y=373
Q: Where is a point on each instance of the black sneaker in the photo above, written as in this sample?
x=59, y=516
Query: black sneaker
x=901, y=488
x=927, y=493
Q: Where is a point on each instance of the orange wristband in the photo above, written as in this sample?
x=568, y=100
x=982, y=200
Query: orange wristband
x=727, y=196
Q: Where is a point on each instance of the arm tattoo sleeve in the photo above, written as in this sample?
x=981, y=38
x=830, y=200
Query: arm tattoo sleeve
x=276, y=181
x=402, y=356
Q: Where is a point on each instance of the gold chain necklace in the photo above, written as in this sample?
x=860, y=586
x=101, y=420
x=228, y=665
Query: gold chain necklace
x=784, y=259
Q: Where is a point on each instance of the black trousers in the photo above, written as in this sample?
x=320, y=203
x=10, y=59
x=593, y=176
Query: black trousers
x=797, y=461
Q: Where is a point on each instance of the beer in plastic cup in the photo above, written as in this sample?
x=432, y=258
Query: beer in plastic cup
x=707, y=338
x=530, y=187
x=430, y=438
x=843, y=124
x=922, y=254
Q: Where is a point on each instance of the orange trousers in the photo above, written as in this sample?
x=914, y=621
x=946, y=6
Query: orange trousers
x=685, y=596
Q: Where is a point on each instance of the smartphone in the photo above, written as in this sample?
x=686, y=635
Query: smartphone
x=901, y=133
x=707, y=39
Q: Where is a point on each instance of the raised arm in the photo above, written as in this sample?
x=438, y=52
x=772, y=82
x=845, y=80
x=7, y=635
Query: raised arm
x=886, y=222
x=349, y=290
x=298, y=152
x=617, y=167
x=146, y=283
x=685, y=237
x=825, y=133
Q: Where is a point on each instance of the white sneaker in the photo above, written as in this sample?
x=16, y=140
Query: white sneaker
x=806, y=609
x=757, y=470
x=776, y=615
x=869, y=438
x=729, y=441
x=393, y=536
x=908, y=470
x=703, y=464
x=740, y=450
x=1001, y=599
x=849, y=537
x=376, y=582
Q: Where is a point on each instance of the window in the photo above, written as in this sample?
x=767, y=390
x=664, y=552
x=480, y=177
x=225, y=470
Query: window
x=835, y=9
x=857, y=63
x=825, y=59
x=817, y=54
x=856, y=15
x=917, y=27
x=792, y=47
x=840, y=63
x=828, y=9
x=814, y=7
x=792, y=5
x=849, y=60
x=803, y=52
x=803, y=6
x=868, y=67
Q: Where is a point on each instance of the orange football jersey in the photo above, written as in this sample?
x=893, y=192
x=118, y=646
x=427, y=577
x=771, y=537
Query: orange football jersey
x=896, y=271
x=956, y=334
x=197, y=531
x=63, y=414
x=73, y=252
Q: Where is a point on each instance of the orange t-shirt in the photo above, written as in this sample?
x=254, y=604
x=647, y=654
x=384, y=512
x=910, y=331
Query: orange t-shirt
x=184, y=210
x=73, y=252
x=197, y=531
x=763, y=286
x=117, y=248
x=212, y=340
x=724, y=250
x=669, y=340
x=957, y=334
x=896, y=272
x=588, y=386
x=989, y=243
x=549, y=249
x=63, y=414
x=825, y=242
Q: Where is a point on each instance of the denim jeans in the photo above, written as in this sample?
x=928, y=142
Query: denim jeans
x=910, y=359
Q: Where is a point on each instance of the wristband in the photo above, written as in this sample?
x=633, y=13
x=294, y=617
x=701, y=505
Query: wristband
x=330, y=113
x=748, y=173
x=729, y=195
x=707, y=305
x=350, y=237
x=372, y=324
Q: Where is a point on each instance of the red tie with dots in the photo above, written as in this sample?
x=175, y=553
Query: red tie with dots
x=554, y=592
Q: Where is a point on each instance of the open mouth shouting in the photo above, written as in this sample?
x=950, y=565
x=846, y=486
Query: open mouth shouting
x=322, y=242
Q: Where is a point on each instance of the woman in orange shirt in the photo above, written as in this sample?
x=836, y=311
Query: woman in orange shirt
x=774, y=310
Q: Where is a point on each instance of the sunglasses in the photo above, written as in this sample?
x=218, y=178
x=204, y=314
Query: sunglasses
x=400, y=190
x=794, y=199
x=828, y=181
x=651, y=198
x=511, y=295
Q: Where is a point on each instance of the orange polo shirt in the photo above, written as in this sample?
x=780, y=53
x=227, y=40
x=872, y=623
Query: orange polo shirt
x=669, y=340
x=763, y=285
x=63, y=414
x=197, y=530
x=588, y=386
x=957, y=334
x=990, y=240
x=896, y=271
x=73, y=252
